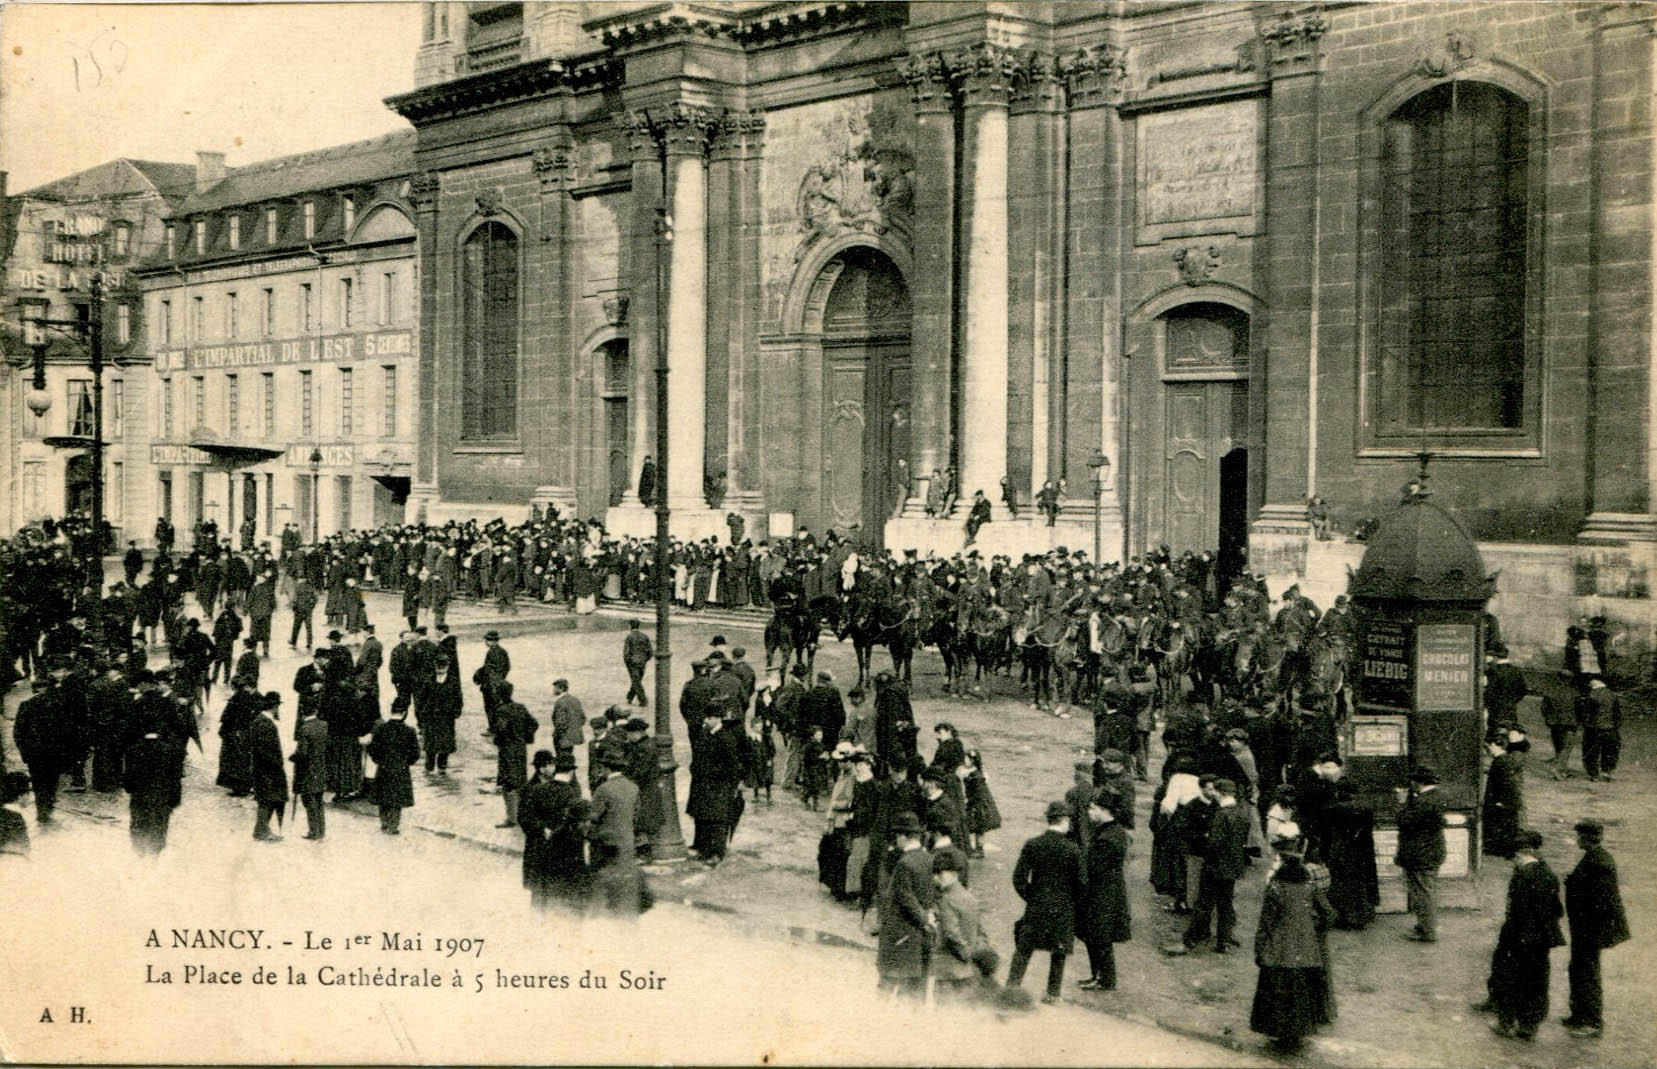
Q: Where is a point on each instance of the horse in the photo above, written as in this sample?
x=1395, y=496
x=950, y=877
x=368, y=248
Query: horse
x=793, y=632
x=875, y=621
x=989, y=633
x=951, y=641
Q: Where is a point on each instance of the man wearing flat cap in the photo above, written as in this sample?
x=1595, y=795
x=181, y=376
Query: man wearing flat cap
x=1421, y=851
x=1593, y=908
x=1519, y=967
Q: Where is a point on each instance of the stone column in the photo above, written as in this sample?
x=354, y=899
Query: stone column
x=423, y=192
x=1295, y=56
x=741, y=137
x=1087, y=393
x=555, y=384
x=932, y=290
x=1034, y=214
x=984, y=73
x=683, y=130
x=641, y=313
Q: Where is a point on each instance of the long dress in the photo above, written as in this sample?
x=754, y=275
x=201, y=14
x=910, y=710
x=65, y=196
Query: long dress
x=1293, y=994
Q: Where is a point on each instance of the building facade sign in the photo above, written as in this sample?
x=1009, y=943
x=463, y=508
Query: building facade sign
x=1444, y=667
x=172, y=456
x=61, y=278
x=332, y=349
x=1384, y=664
x=339, y=455
x=1198, y=164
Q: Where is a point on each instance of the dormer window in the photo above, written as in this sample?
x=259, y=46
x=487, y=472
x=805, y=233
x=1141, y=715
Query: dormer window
x=122, y=241
x=270, y=226
x=348, y=207
x=172, y=241
x=201, y=237
x=235, y=231
x=310, y=219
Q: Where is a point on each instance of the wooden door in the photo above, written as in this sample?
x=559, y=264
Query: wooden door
x=1205, y=422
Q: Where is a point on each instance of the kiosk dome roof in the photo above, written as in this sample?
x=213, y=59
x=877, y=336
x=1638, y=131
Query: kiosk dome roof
x=1422, y=553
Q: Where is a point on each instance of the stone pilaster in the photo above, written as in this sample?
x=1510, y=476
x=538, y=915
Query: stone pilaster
x=424, y=191
x=1294, y=53
x=984, y=76
x=683, y=130
x=553, y=382
x=642, y=312
x=932, y=290
x=1034, y=214
x=739, y=144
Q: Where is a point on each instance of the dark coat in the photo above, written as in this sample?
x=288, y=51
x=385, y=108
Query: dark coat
x=270, y=772
x=715, y=775
x=1354, y=884
x=1294, y=917
x=1048, y=877
x=514, y=730
x=394, y=748
x=235, y=755
x=154, y=774
x=551, y=814
x=1104, y=916
x=910, y=894
x=1593, y=902
x=1226, y=857
x=1421, y=832
x=822, y=707
x=1533, y=909
x=310, y=758
x=1503, y=800
x=643, y=761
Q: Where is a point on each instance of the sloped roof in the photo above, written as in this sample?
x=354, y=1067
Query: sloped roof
x=119, y=178
x=355, y=163
x=1422, y=553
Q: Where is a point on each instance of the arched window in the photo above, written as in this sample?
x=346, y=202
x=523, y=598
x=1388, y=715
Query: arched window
x=1455, y=207
x=489, y=358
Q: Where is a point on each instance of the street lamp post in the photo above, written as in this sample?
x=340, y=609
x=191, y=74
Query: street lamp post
x=1099, y=464
x=316, y=486
x=669, y=843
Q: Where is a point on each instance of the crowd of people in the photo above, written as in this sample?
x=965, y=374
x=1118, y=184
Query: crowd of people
x=1248, y=701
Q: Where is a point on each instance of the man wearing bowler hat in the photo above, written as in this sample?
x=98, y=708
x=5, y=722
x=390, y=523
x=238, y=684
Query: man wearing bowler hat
x=907, y=917
x=1519, y=967
x=1593, y=908
x=1048, y=877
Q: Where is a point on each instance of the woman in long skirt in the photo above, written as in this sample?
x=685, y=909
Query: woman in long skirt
x=982, y=815
x=1293, y=995
x=1168, y=846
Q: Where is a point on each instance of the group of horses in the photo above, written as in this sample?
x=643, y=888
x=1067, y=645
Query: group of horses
x=1066, y=656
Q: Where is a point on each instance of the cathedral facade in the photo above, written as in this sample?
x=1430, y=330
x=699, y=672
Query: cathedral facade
x=1183, y=266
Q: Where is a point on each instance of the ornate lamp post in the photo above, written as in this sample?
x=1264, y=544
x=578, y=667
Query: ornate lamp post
x=316, y=499
x=1099, y=464
x=669, y=844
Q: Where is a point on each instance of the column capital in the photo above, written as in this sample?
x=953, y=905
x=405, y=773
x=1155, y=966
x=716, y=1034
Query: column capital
x=736, y=134
x=930, y=87
x=641, y=136
x=1293, y=40
x=1095, y=75
x=683, y=129
x=423, y=189
x=1036, y=81
x=554, y=167
x=983, y=74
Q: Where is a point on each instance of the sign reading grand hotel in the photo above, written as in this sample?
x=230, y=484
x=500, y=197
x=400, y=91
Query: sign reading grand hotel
x=331, y=348
x=1198, y=163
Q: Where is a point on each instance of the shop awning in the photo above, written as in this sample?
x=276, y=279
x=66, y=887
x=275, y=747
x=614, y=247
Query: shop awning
x=236, y=452
x=70, y=441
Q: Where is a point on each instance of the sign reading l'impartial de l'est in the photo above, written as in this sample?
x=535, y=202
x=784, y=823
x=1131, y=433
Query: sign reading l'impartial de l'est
x=332, y=348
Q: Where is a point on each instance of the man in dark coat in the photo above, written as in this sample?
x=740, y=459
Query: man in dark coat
x=636, y=652
x=715, y=782
x=618, y=883
x=394, y=748
x=1503, y=796
x=514, y=730
x=41, y=734
x=907, y=920
x=569, y=719
x=1421, y=851
x=303, y=603
x=235, y=756
x=226, y=630
x=552, y=815
x=1504, y=686
x=491, y=674
x=1593, y=907
x=1048, y=877
x=643, y=768
x=310, y=770
x=822, y=707
x=1519, y=967
x=270, y=772
x=153, y=777
x=1104, y=916
x=1224, y=860
x=1349, y=852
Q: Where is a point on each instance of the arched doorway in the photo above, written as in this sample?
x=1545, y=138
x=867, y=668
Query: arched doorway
x=1195, y=493
x=866, y=393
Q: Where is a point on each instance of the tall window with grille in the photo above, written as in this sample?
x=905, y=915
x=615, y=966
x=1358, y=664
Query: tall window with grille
x=232, y=315
x=232, y=405
x=307, y=307
x=307, y=426
x=198, y=401
x=117, y=423
x=347, y=401
x=267, y=403
x=80, y=407
x=1454, y=265
x=346, y=307
x=267, y=312
x=198, y=318
x=389, y=378
x=489, y=357
x=388, y=297
x=164, y=322
x=167, y=408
